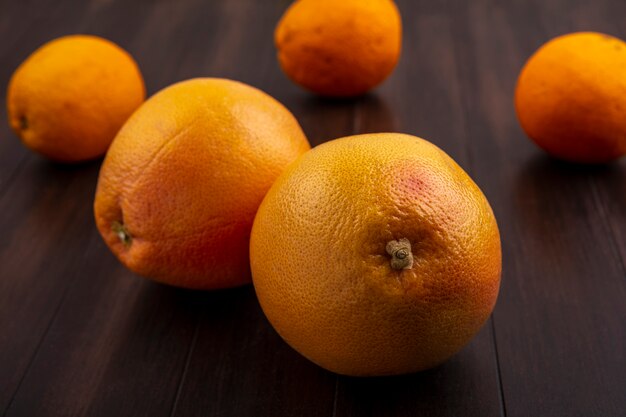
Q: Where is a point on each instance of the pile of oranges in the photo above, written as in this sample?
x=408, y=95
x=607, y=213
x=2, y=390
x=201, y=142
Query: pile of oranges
x=371, y=254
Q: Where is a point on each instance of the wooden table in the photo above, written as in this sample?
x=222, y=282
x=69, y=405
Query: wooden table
x=81, y=335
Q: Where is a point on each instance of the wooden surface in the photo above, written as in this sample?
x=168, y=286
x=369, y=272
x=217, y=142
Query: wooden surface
x=82, y=336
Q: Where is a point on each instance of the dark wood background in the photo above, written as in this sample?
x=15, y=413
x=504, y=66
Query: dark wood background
x=80, y=335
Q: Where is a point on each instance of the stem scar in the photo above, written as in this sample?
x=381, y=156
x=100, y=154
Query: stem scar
x=401, y=255
x=122, y=233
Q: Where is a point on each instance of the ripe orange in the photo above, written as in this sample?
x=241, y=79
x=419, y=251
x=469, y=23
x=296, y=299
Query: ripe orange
x=70, y=97
x=570, y=97
x=375, y=255
x=181, y=183
x=339, y=48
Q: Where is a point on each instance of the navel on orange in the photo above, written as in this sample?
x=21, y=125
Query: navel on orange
x=182, y=181
x=376, y=255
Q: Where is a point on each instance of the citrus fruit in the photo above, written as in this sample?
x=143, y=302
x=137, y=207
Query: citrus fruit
x=570, y=97
x=69, y=98
x=339, y=48
x=181, y=183
x=376, y=255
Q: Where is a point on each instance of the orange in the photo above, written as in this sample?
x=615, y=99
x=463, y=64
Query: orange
x=181, y=183
x=375, y=255
x=571, y=100
x=339, y=48
x=71, y=96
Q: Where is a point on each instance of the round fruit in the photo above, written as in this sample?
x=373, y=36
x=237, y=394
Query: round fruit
x=376, y=255
x=339, y=48
x=182, y=181
x=570, y=97
x=71, y=96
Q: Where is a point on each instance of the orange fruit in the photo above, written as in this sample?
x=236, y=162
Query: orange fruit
x=570, y=97
x=181, y=183
x=69, y=98
x=375, y=255
x=339, y=48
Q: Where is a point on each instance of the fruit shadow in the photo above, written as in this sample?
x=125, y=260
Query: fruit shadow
x=155, y=328
x=54, y=166
x=196, y=304
x=156, y=312
x=540, y=166
x=555, y=200
x=43, y=173
x=235, y=346
x=49, y=202
x=433, y=391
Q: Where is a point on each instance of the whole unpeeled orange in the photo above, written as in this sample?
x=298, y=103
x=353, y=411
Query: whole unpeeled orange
x=570, y=97
x=182, y=181
x=70, y=97
x=376, y=255
x=339, y=48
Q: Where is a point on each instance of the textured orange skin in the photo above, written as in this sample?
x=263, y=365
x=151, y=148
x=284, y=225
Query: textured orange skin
x=186, y=174
x=339, y=48
x=571, y=97
x=322, y=274
x=75, y=93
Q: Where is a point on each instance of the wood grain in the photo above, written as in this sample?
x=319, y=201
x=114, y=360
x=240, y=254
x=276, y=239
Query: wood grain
x=82, y=336
x=560, y=321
